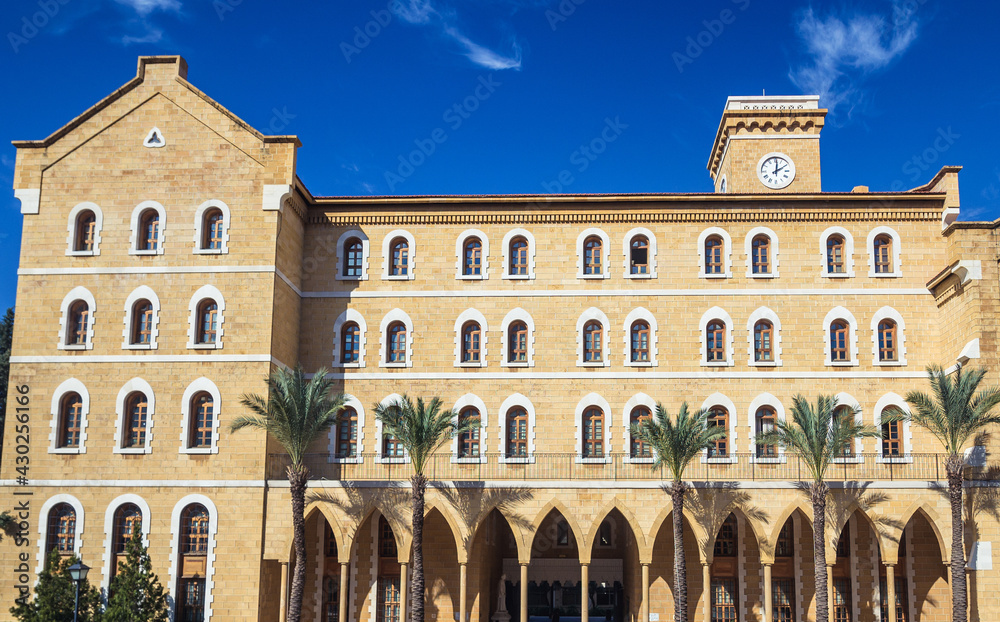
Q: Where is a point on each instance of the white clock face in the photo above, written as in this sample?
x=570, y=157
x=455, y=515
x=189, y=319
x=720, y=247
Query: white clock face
x=776, y=170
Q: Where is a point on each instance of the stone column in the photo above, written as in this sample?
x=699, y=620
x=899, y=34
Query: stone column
x=706, y=580
x=768, y=594
x=462, y=580
x=644, y=611
x=524, y=594
x=584, y=592
x=344, y=597
x=283, y=605
x=404, y=587
x=830, y=591
x=890, y=592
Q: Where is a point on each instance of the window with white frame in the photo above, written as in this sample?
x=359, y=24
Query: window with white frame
x=390, y=450
x=836, y=247
x=593, y=429
x=884, y=251
x=194, y=524
x=125, y=513
x=471, y=335
x=592, y=339
x=83, y=228
x=518, y=255
x=470, y=446
x=347, y=437
x=76, y=326
x=149, y=229
x=715, y=251
x=397, y=340
x=349, y=338
x=200, y=421
x=640, y=338
x=68, y=426
x=888, y=337
x=399, y=254
x=517, y=429
x=211, y=228
x=639, y=248
x=352, y=256
x=472, y=255
x=716, y=338
x=761, y=248
x=764, y=338
x=722, y=413
x=593, y=255
x=142, y=319
x=848, y=407
x=135, y=408
x=897, y=438
x=762, y=415
x=638, y=409
x=60, y=529
x=840, y=331
x=206, y=313
x=518, y=333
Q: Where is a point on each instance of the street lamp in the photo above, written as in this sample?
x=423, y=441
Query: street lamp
x=78, y=572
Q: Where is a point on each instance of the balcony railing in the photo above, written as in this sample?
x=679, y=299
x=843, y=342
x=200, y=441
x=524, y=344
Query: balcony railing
x=618, y=467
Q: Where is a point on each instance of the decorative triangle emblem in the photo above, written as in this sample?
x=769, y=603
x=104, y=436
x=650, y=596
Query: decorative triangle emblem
x=154, y=139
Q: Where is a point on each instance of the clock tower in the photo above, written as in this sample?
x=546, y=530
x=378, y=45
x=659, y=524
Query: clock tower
x=768, y=144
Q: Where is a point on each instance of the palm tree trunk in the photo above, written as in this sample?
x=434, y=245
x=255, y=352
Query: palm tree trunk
x=959, y=595
x=818, y=492
x=297, y=481
x=418, y=485
x=680, y=560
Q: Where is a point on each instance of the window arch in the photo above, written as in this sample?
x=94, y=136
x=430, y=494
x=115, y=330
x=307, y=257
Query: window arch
x=389, y=449
x=472, y=255
x=836, y=247
x=517, y=429
x=848, y=406
x=149, y=229
x=200, y=409
x=637, y=447
x=518, y=332
x=469, y=405
x=722, y=413
x=350, y=335
x=61, y=530
x=207, y=312
x=469, y=441
x=888, y=337
x=763, y=338
x=124, y=514
x=897, y=437
x=56, y=507
x=636, y=409
x=128, y=519
x=135, y=409
x=716, y=338
x=639, y=248
x=76, y=326
x=352, y=256
x=593, y=429
x=761, y=248
x=593, y=254
x=211, y=228
x=760, y=341
x=593, y=339
x=84, y=226
x=518, y=254
x=715, y=249
x=347, y=437
x=399, y=255
x=68, y=426
x=70, y=421
x=884, y=252
x=397, y=340
x=840, y=332
x=640, y=338
x=194, y=524
x=764, y=411
x=471, y=337
x=142, y=319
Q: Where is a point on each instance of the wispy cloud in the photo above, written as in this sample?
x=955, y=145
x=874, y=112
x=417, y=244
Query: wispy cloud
x=145, y=7
x=153, y=35
x=844, y=49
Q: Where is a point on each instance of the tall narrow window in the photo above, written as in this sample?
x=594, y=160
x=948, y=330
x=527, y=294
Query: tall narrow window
x=70, y=419
x=763, y=337
x=194, y=530
x=718, y=417
x=785, y=547
x=844, y=414
x=761, y=249
x=517, y=433
x=472, y=261
x=887, y=350
x=208, y=321
x=136, y=420
x=128, y=518
x=593, y=433
x=386, y=539
x=723, y=599
x=353, y=257
x=471, y=337
x=640, y=342
x=142, y=323
x=842, y=600
x=202, y=421
x=396, y=350
x=593, y=255
x=639, y=448
x=883, y=254
x=839, y=330
x=347, y=434
x=400, y=250
x=892, y=439
x=86, y=227
x=715, y=341
x=593, y=335
x=725, y=541
x=844, y=543
x=518, y=257
x=149, y=230
x=391, y=448
x=835, y=263
x=61, y=533
x=79, y=319
x=389, y=599
x=194, y=549
x=765, y=423
x=713, y=255
x=350, y=351
x=468, y=442
x=901, y=607
x=639, y=255
x=212, y=230
x=518, y=346
x=783, y=600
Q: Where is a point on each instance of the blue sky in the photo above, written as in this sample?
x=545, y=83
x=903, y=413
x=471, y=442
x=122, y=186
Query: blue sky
x=506, y=92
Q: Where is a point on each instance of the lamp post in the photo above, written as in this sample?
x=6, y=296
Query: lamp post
x=78, y=572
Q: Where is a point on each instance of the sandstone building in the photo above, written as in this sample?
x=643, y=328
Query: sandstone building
x=171, y=258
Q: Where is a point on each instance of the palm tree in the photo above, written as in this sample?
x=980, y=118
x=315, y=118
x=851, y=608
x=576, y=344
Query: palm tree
x=674, y=446
x=421, y=429
x=817, y=437
x=295, y=413
x=955, y=414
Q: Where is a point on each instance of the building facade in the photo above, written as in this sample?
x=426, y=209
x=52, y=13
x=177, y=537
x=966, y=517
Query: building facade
x=171, y=258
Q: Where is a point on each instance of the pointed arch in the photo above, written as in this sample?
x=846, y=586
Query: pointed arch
x=344, y=540
x=921, y=506
x=759, y=536
x=453, y=522
x=837, y=527
x=690, y=522
x=523, y=548
x=637, y=533
x=557, y=505
x=767, y=552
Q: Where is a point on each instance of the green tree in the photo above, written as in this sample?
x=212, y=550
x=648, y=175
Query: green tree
x=955, y=414
x=6, y=339
x=136, y=593
x=55, y=595
x=421, y=429
x=296, y=412
x=817, y=436
x=675, y=444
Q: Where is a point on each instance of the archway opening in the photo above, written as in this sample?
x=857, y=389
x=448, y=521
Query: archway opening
x=615, y=590
x=441, y=572
x=493, y=560
x=661, y=570
x=554, y=575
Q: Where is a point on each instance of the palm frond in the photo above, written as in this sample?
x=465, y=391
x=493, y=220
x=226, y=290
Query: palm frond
x=676, y=443
x=421, y=428
x=955, y=413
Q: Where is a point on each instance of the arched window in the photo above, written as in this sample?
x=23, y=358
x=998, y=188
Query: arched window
x=718, y=417
x=883, y=254
x=400, y=257
x=386, y=540
x=471, y=342
x=517, y=433
x=70, y=418
x=845, y=414
x=79, y=324
x=713, y=255
x=887, y=343
x=725, y=542
x=194, y=549
x=785, y=546
x=593, y=255
x=353, y=258
x=637, y=447
x=839, y=331
x=142, y=322
x=472, y=261
x=194, y=530
x=149, y=230
x=518, y=343
x=136, y=421
x=892, y=439
x=518, y=257
x=593, y=433
x=468, y=442
x=765, y=418
x=86, y=227
x=761, y=249
x=391, y=448
x=763, y=340
x=715, y=341
x=128, y=519
x=202, y=423
x=212, y=229
x=640, y=342
x=396, y=346
x=208, y=321
x=593, y=342
x=835, y=263
x=347, y=434
x=350, y=351
x=639, y=255
x=61, y=533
